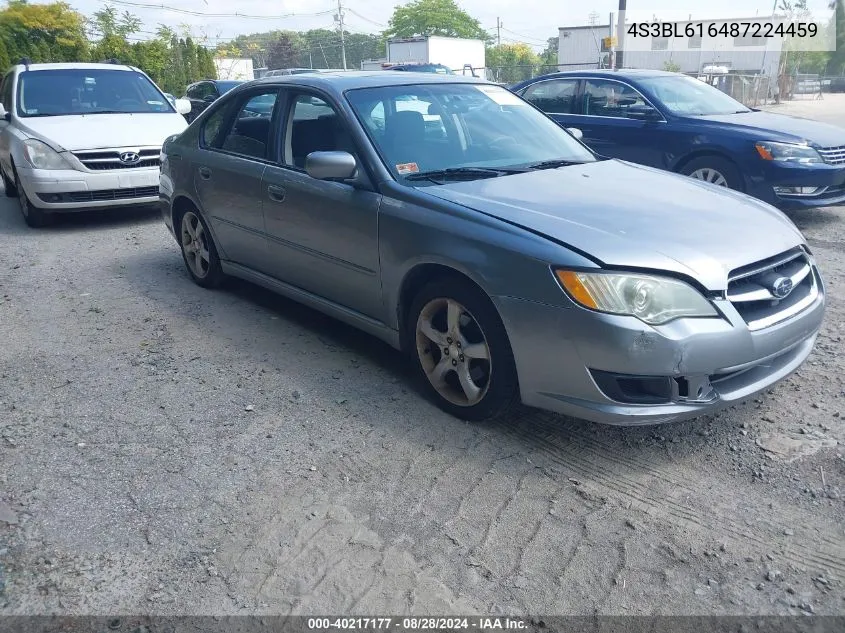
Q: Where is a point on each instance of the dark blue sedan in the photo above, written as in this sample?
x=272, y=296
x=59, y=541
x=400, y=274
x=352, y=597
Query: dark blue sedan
x=682, y=124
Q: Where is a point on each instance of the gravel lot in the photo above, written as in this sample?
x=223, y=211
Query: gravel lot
x=170, y=450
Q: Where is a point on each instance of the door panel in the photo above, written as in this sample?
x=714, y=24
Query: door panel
x=228, y=176
x=322, y=235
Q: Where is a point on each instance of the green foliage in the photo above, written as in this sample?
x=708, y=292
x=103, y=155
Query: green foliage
x=42, y=32
x=434, y=17
x=512, y=62
x=836, y=65
x=671, y=66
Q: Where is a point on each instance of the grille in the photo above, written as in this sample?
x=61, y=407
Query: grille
x=752, y=289
x=833, y=155
x=110, y=194
x=108, y=159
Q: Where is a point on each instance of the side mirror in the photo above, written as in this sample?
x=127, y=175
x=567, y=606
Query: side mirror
x=330, y=165
x=574, y=131
x=183, y=106
x=643, y=113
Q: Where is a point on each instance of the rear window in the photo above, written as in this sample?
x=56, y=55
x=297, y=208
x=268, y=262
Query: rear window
x=69, y=91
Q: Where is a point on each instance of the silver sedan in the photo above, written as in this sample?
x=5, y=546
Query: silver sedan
x=450, y=218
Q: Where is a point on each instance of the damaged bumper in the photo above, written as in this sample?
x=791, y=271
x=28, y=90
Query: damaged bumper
x=617, y=370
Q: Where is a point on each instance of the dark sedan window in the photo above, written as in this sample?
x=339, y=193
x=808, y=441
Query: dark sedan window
x=314, y=127
x=555, y=96
x=609, y=98
x=248, y=134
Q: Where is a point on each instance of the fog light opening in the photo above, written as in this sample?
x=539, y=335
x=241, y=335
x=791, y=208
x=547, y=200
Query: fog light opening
x=799, y=191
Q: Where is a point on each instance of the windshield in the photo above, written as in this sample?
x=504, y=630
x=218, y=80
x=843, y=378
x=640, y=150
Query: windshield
x=425, y=68
x=688, y=96
x=429, y=127
x=87, y=91
x=226, y=86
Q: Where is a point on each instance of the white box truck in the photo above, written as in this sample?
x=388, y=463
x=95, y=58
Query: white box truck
x=461, y=56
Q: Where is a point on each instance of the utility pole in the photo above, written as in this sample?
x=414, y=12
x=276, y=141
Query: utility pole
x=339, y=19
x=620, y=32
x=498, y=32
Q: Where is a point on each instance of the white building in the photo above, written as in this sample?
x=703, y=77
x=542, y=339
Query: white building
x=744, y=55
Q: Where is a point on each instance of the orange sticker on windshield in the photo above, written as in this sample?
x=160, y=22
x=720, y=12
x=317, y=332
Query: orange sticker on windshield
x=407, y=168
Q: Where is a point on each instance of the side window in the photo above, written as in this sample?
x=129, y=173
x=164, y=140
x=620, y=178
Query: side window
x=609, y=98
x=207, y=89
x=193, y=92
x=6, y=91
x=314, y=126
x=556, y=96
x=249, y=132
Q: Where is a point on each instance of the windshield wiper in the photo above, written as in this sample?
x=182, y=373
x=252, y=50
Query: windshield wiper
x=554, y=163
x=463, y=173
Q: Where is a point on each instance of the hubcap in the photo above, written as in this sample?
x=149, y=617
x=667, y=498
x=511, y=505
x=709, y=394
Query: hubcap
x=710, y=175
x=194, y=245
x=453, y=352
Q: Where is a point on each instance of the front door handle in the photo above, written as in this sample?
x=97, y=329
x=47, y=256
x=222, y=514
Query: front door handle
x=205, y=173
x=277, y=194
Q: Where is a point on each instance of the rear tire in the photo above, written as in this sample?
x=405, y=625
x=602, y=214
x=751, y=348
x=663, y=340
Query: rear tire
x=34, y=216
x=715, y=170
x=198, y=250
x=460, y=351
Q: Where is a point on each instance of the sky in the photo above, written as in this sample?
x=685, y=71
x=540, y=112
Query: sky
x=529, y=21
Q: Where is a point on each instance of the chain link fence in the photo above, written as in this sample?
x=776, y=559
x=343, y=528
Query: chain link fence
x=513, y=74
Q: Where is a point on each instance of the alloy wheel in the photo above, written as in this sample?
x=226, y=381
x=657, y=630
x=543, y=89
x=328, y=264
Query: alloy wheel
x=194, y=245
x=707, y=174
x=453, y=351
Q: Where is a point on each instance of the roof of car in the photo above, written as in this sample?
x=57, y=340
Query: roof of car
x=77, y=66
x=340, y=81
x=633, y=73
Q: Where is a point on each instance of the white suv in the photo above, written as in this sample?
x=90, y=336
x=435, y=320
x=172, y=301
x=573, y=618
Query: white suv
x=80, y=136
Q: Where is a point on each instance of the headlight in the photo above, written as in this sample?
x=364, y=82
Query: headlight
x=42, y=156
x=787, y=152
x=653, y=300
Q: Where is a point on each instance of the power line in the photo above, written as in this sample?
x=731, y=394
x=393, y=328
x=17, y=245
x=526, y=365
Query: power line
x=525, y=37
x=204, y=14
x=366, y=19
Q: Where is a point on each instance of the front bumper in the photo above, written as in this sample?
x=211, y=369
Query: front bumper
x=71, y=190
x=830, y=179
x=559, y=351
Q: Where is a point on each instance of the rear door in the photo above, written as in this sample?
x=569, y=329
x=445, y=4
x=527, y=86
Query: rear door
x=558, y=98
x=236, y=147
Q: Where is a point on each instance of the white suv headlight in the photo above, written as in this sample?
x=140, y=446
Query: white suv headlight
x=42, y=156
x=653, y=300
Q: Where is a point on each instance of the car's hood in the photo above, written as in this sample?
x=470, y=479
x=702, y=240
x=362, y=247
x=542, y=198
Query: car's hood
x=762, y=123
x=96, y=131
x=633, y=216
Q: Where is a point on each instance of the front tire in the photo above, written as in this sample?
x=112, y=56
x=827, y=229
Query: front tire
x=460, y=351
x=35, y=217
x=9, y=187
x=199, y=251
x=715, y=170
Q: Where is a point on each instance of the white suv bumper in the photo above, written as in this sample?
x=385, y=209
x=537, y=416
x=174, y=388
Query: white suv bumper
x=73, y=190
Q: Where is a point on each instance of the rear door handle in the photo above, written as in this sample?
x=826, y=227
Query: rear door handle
x=277, y=194
x=205, y=173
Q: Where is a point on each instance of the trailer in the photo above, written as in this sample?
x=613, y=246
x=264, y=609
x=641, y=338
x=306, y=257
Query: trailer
x=459, y=55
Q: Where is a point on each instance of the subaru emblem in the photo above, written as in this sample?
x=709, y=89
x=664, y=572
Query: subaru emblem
x=781, y=287
x=129, y=158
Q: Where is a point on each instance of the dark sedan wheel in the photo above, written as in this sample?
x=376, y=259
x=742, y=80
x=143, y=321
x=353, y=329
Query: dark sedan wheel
x=198, y=251
x=715, y=170
x=461, y=351
x=32, y=215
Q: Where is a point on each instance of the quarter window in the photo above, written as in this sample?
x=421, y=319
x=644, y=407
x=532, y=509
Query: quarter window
x=555, y=96
x=248, y=133
x=609, y=98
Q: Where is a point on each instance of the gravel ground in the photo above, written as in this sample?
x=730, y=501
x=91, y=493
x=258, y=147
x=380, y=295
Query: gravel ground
x=170, y=450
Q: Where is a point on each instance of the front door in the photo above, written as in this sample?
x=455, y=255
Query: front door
x=236, y=148
x=322, y=235
x=608, y=130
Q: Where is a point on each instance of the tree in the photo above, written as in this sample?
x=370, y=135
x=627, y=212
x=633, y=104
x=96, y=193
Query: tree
x=192, y=72
x=549, y=57
x=283, y=53
x=434, y=17
x=5, y=61
x=106, y=22
x=512, y=62
x=836, y=64
x=671, y=66
x=52, y=32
